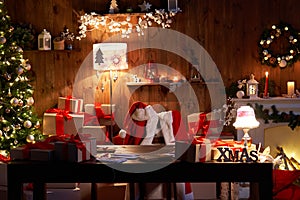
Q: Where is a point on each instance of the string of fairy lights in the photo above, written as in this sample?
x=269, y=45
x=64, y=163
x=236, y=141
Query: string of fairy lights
x=93, y=21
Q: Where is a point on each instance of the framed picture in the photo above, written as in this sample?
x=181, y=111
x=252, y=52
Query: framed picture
x=110, y=56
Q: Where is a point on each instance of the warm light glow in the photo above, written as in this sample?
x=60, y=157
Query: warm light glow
x=90, y=22
x=290, y=88
x=267, y=74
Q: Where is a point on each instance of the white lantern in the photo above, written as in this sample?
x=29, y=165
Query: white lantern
x=44, y=40
x=252, y=87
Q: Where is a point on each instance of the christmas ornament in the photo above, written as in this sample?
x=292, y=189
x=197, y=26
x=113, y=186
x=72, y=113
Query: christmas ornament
x=1, y=133
x=28, y=67
x=7, y=76
x=14, y=101
x=145, y=6
x=2, y=40
x=30, y=101
x=30, y=139
x=20, y=70
x=113, y=7
x=6, y=128
x=7, y=110
x=20, y=102
x=27, y=124
x=17, y=126
x=37, y=125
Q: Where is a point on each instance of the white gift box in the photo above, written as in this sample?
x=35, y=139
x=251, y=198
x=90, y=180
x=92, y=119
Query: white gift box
x=70, y=126
x=95, y=131
x=70, y=104
x=90, y=108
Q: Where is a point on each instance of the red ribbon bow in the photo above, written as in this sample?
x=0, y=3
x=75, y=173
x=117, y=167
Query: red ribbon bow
x=61, y=116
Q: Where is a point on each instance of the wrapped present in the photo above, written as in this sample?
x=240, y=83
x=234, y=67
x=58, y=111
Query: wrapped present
x=197, y=151
x=99, y=132
x=59, y=122
x=99, y=109
x=70, y=104
x=61, y=150
x=19, y=153
x=42, y=154
x=79, y=151
x=205, y=123
x=92, y=140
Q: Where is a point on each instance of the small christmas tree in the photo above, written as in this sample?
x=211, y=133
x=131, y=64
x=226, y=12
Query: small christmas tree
x=18, y=122
x=113, y=7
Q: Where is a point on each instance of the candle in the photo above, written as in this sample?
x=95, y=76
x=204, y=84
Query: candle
x=290, y=88
x=266, y=85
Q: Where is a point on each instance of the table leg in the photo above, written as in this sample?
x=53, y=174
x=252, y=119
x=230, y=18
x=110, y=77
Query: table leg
x=39, y=191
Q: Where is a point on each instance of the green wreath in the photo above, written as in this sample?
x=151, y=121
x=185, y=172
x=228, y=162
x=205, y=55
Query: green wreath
x=286, y=52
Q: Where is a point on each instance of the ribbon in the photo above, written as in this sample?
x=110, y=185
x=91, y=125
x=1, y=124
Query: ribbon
x=61, y=115
x=68, y=103
x=4, y=158
x=100, y=113
x=205, y=125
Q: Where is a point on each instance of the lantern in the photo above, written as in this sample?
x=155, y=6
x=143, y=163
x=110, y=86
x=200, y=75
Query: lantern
x=151, y=72
x=172, y=5
x=252, y=87
x=44, y=40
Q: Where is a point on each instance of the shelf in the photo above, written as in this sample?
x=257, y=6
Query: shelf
x=171, y=85
x=52, y=50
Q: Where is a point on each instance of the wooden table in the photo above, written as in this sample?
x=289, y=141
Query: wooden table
x=39, y=173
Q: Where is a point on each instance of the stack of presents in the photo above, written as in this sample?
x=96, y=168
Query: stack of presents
x=74, y=131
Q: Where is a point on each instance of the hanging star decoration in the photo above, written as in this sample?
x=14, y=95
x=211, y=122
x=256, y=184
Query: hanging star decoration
x=145, y=6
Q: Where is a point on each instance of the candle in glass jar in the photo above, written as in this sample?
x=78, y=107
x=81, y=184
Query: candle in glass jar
x=290, y=88
x=266, y=84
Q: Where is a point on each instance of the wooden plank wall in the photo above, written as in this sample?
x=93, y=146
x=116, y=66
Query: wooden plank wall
x=228, y=30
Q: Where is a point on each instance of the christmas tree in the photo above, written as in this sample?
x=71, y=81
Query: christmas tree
x=18, y=122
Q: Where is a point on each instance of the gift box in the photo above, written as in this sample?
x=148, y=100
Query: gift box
x=99, y=132
x=197, y=151
x=70, y=104
x=105, y=108
x=42, y=154
x=19, y=153
x=58, y=122
x=79, y=151
x=92, y=140
x=205, y=123
x=60, y=150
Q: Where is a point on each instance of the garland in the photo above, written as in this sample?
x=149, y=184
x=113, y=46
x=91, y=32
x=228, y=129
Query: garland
x=282, y=57
x=276, y=117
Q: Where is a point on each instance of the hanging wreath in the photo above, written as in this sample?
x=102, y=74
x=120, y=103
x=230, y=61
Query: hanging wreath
x=279, y=46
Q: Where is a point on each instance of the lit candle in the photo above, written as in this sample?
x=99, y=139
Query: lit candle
x=290, y=88
x=266, y=85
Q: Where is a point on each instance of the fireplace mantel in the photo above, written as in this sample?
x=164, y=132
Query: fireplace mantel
x=281, y=103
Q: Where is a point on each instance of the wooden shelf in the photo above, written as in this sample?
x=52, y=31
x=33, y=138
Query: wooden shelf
x=171, y=85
